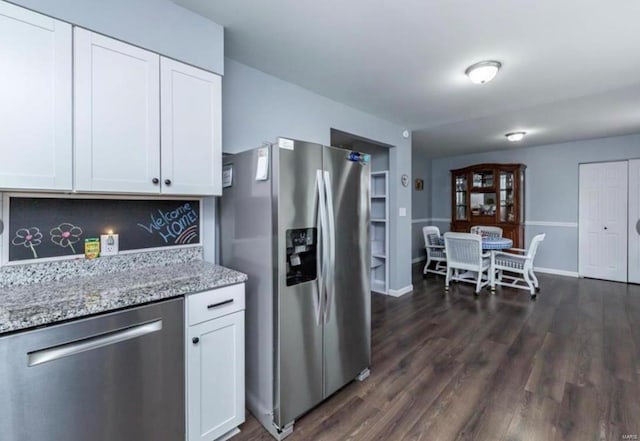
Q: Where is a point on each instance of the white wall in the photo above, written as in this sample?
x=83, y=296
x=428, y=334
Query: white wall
x=258, y=107
x=551, y=192
x=158, y=25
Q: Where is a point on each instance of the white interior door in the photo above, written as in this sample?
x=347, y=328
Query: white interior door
x=603, y=221
x=634, y=221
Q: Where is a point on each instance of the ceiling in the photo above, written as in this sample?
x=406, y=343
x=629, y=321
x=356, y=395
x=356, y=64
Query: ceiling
x=571, y=68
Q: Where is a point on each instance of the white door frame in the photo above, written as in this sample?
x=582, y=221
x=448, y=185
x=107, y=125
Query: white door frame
x=634, y=221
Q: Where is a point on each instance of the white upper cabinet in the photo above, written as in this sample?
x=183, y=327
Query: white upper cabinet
x=84, y=112
x=35, y=101
x=117, y=116
x=191, y=129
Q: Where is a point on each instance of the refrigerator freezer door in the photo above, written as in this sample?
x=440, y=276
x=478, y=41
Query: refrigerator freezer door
x=299, y=335
x=347, y=331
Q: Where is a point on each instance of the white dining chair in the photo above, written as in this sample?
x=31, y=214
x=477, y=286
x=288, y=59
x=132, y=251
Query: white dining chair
x=435, y=251
x=487, y=231
x=464, y=252
x=520, y=264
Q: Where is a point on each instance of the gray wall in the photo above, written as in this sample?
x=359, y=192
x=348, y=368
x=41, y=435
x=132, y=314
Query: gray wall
x=158, y=25
x=379, y=155
x=551, y=193
x=258, y=107
x=420, y=200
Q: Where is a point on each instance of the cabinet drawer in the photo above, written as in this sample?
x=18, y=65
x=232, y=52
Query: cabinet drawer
x=216, y=303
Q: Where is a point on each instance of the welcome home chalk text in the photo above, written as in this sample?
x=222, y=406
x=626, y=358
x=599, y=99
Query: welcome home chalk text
x=170, y=225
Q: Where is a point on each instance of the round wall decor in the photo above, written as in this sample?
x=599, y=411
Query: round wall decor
x=405, y=180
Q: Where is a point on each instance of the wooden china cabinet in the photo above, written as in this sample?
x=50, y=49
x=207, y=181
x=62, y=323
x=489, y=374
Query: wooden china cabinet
x=489, y=194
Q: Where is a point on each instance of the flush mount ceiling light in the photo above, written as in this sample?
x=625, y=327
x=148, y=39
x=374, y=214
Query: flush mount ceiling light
x=483, y=72
x=515, y=136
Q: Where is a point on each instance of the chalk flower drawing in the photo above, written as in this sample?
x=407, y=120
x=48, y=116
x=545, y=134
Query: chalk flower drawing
x=66, y=235
x=28, y=238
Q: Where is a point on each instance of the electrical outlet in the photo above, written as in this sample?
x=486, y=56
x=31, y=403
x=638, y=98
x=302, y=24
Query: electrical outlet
x=402, y=212
x=109, y=244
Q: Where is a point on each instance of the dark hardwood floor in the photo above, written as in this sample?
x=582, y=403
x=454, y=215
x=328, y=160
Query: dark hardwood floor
x=498, y=367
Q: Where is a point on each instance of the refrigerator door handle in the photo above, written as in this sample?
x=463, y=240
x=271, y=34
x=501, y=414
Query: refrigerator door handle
x=330, y=280
x=324, y=234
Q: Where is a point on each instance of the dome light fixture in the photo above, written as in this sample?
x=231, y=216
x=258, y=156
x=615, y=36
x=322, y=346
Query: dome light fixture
x=483, y=72
x=515, y=136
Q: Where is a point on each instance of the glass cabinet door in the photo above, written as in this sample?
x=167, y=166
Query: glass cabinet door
x=482, y=179
x=483, y=204
x=507, y=194
x=461, y=198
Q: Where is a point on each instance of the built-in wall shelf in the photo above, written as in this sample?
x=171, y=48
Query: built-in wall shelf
x=379, y=231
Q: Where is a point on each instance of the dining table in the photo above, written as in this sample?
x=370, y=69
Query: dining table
x=490, y=243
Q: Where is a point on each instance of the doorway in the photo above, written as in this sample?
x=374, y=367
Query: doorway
x=380, y=204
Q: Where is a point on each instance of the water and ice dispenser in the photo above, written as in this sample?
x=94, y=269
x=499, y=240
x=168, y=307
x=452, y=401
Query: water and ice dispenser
x=302, y=261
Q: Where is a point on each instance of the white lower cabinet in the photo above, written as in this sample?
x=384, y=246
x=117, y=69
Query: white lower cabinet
x=215, y=362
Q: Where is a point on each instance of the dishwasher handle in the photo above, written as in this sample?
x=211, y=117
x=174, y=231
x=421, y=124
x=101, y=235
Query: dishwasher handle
x=87, y=344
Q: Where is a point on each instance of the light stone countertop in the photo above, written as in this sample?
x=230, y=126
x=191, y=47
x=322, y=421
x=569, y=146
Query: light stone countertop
x=46, y=303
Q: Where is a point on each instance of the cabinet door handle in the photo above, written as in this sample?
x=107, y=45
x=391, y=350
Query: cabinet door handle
x=167, y=182
x=195, y=340
x=638, y=226
x=155, y=181
x=219, y=304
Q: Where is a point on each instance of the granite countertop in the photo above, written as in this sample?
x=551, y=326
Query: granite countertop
x=46, y=303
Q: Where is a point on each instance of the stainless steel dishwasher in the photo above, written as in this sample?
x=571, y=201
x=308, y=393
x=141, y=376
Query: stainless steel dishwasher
x=113, y=377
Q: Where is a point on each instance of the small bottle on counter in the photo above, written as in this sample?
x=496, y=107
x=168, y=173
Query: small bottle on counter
x=92, y=248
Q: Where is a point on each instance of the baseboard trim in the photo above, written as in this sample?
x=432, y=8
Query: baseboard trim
x=538, y=269
x=401, y=291
x=556, y=272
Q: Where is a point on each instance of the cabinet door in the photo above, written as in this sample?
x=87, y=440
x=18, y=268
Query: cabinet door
x=117, y=116
x=35, y=101
x=191, y=130
x=460, y=201
x=215, y=377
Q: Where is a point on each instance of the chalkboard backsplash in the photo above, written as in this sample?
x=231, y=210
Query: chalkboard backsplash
x=54, y=227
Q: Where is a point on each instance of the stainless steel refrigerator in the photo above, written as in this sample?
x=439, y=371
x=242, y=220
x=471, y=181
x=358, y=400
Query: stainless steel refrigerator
x=294, y=216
